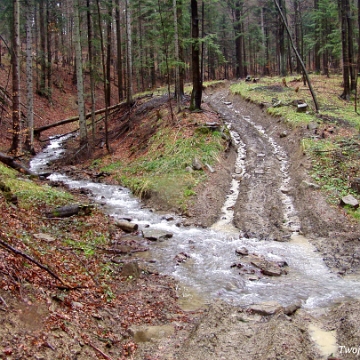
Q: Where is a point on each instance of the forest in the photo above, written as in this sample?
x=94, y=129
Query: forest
x=128, y=47
x=202, y=204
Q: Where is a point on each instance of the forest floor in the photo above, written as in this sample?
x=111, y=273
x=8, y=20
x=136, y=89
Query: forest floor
x=109, y=305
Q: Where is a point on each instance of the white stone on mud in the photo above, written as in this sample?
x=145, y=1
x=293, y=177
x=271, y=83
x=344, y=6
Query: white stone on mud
x=156, y=235
x=349, y=200
x=266, y=308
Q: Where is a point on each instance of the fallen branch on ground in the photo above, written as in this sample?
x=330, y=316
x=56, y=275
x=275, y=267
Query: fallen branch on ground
x=41, y=266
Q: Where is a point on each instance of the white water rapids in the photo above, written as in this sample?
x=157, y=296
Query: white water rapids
x=212, y=251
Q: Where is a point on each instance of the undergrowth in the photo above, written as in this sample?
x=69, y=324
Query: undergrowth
x=164, y=168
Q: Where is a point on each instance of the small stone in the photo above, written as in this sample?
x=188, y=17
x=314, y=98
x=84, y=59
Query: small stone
x=196, y=164
x=210, y=168
x=349, y=200
x=283, y=134
x=156, y=235
x=301, y=108
x=44, y=237
x=242, y=251
x=266, y=308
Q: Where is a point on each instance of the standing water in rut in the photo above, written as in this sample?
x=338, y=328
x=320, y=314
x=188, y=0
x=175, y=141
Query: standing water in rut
x=212, y=252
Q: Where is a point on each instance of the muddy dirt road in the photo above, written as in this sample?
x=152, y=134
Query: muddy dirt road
x=277, y=198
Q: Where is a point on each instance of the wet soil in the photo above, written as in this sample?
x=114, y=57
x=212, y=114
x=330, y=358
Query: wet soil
x=227, y=332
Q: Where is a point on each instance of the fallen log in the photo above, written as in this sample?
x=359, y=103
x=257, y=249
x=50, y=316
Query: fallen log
x=70, y=210
x=127, y=226
x=39, y=129
x=10, y=161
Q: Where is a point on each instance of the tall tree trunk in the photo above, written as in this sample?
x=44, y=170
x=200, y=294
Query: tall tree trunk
x=92, y=66
x=42, y=21
x=317, y=43
x=129, y=88
x=281, y=34
x=79, y=75
x=196, y=94
x=178, y=94
x=239, y=38
x=297, y=32
x=29, y=79
x=15, y=61
x=181, y=47
x=49, y=49
x=345, y=49
x=119, y=52
x=352, y=67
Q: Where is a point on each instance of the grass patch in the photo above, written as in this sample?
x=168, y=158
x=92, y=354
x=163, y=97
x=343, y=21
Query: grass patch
x=29, y=193
x=334, y=163
x=335, y=160
x=163, y=167
x=269, y=91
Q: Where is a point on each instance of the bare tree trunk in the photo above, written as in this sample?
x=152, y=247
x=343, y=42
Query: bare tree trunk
x=181, y=47
x=281, y=34
x=239, y=38
x=15, y=61
x=119, y=52
x=104, y=77
x=42, y=84
x=92, y=67
x=29, y=79
x=49, y=60
x=178, y=94
x=317, y=44
x=196, y=94
x=345, y=49
x=129, y=90
x=79, y=75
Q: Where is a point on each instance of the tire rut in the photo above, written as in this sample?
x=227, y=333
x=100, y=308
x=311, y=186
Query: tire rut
x=261, y=210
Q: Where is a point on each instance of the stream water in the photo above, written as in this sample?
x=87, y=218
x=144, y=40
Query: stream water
x=212, y=251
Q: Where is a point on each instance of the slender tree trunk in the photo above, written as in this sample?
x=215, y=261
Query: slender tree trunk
x=178, y=94
x=196, y=94
x=129, y=89
x=49, y=49
x=350, y=31
x=79, y=75
x=119, y=52
x=29, y=79
x=239, y=38
x=181, y=47
x=103, y=62
x=317, y=44
x=345, y=49
x=297, y=32
x=42, y=89
x=92, y=67
x=281, y=34
x=15, y=61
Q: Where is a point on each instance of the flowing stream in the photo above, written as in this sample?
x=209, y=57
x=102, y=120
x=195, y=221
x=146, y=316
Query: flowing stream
x=212, y=251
